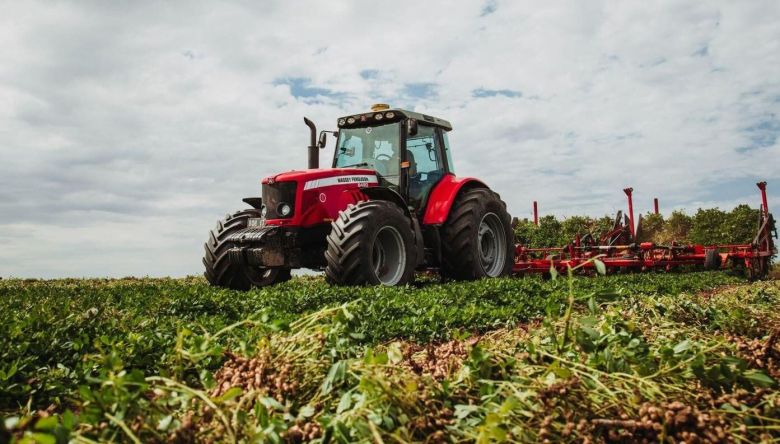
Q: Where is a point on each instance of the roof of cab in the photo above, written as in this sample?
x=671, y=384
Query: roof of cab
x=421, y=118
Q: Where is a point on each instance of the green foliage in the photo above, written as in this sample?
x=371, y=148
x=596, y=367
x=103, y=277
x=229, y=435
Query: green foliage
x=652, y=227
x=575, y=225
x=741, y=224
x=602, y=225
x=706, y=227
x=47, y=347
x=676, y=228
x=548, y=234
x=538, y=358
x=524, y=232
x=709, y=227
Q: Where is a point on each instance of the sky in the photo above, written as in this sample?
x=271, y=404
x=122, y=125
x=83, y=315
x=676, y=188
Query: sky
x=128, y=128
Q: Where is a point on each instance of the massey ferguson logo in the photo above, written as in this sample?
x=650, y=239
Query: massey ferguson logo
x=352, y=179
x=361, y=181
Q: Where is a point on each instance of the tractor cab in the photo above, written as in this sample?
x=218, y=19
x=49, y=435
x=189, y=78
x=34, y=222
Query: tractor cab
x=409, y=151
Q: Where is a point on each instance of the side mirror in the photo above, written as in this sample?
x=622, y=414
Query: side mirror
x=412, y=125
x=323, y=140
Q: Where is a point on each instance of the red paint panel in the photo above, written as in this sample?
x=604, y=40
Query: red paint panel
x=321, y=173
x=442, y=197
x=321, y=204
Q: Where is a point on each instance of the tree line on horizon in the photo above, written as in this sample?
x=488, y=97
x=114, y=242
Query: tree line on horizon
x=706, y=227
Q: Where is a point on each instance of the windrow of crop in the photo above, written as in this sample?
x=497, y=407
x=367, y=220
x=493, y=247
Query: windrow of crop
x=624, y=358
x=53, y=334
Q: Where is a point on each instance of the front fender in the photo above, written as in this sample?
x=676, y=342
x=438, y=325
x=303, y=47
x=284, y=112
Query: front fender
x=384, y=193
x=443, y=195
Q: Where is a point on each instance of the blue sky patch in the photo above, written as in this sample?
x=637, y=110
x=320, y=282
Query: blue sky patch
x=762, y=135
x=369, y=74
x=420, y=90
x=489, y=8
x=482, y=92
x=300, y=87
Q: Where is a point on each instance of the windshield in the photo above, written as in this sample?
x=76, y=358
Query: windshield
x=374, y=147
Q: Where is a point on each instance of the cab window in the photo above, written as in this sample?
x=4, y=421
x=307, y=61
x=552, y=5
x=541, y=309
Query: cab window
x=425, y=164
x=375, y=148
x=447, y=152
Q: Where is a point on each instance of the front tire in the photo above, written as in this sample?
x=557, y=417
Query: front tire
x=371, y=243
x=477, y=239
x=221, y=272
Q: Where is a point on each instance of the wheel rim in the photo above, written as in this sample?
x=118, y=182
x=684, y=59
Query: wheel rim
x=262, y=276
x=388, y=256
x=492, y=245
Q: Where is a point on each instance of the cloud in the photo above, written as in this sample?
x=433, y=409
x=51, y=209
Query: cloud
x=127, y=129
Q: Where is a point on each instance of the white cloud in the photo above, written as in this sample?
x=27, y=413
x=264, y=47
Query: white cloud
x=127, y=129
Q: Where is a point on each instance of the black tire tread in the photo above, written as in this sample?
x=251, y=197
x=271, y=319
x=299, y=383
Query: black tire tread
x=711, y=260
x=218, y=269
x=459, y=260
x=343, y=253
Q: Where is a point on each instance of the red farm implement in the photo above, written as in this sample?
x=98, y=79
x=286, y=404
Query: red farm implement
x=620, y=252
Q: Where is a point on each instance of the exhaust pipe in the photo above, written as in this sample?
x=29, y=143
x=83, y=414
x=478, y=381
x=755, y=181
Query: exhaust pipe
x=314, y=153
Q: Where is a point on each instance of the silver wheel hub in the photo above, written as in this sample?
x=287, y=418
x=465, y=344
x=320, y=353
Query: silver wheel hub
x=388, y=256
x=492, y=245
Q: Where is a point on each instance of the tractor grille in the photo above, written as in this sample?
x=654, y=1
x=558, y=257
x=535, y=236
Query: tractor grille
x=276, y=194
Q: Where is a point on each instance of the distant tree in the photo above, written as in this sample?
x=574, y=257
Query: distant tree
x=741, y=224
x=574, y=225
x=709, y=227
x=525, y=232
x=652, y=227
x=676, y=228
x=548, y=234
x=706, y=227
x=602, y=225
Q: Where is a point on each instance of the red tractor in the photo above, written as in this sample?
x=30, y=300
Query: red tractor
x=389, y=205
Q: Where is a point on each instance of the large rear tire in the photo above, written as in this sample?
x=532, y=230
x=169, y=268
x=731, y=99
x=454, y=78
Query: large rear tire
x=371, y=243
x=477, y=239
x=221, y=272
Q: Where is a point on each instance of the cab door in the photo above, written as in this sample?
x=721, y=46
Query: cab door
x=426, y=164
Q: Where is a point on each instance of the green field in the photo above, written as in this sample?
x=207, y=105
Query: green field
x=676, y=357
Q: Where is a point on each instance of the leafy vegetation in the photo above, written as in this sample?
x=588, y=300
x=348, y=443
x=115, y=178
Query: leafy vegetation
x=511, y=359
x=706, y=227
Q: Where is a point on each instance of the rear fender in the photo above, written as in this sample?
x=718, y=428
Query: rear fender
x=443, y=195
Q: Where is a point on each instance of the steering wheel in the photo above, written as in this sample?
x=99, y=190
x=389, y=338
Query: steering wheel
x=379, y=157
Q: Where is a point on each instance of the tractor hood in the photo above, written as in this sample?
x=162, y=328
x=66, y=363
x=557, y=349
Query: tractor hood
x=311, y=197
x=325, y=176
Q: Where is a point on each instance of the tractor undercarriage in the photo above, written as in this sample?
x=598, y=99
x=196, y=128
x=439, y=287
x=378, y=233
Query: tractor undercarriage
x=279, y=246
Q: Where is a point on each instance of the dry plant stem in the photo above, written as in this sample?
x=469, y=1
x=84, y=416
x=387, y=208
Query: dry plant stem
x=203, y=397
x=124, y=428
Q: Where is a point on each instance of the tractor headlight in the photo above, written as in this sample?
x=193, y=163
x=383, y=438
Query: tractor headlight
x=342, y=122
x=351, y=120
x=389, y=114
x=264, y=211
x=378, y=116
x=284, y=209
